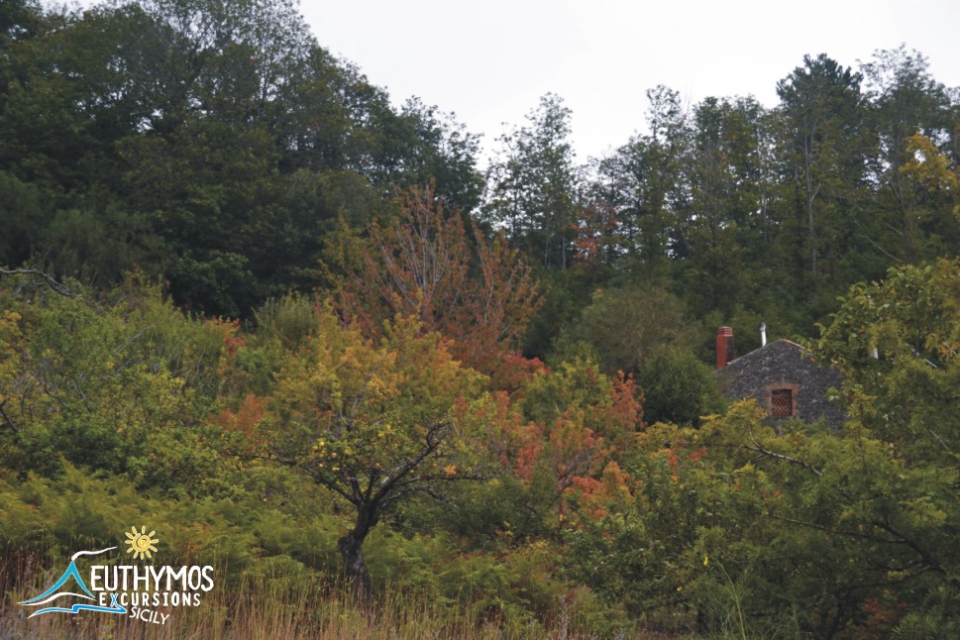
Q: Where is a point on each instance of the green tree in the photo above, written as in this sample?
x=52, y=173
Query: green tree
x=444, y=154
x=534, y=186
x=21, y=217
x=123, y=386
x=821, y=106
x=18, y=18
x=677, y=387
x=642, y=182
x=728, y=224
x=626, y=325
x=910, y=223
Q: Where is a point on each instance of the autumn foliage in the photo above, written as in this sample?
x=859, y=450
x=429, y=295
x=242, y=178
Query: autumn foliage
x=427, y=263
x=224, y=314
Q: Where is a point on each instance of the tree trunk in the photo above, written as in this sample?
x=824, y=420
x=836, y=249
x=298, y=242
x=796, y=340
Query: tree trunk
x=812, y=229
x=350, y=550
x=356, y=569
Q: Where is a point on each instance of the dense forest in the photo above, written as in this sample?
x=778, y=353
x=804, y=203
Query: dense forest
x=301, y=333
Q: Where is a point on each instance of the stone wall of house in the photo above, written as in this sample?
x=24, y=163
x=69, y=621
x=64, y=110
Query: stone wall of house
x=784, y=365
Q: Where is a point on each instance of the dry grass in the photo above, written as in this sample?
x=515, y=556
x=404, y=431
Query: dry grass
x=282, y=608
x=257, y=614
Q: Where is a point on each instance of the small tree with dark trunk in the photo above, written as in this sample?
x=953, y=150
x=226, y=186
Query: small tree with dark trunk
x=382, y=490
x=371, y=421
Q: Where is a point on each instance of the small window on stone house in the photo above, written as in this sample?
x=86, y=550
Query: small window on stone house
x=781, y=403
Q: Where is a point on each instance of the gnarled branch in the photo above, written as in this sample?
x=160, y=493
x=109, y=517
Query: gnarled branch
x=50, y=282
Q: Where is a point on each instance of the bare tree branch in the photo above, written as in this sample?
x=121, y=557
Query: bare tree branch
x=434, y=438
x=839, y=532
x=50, y=282
x=6, y=418
x=930, y=560
x=772, y=454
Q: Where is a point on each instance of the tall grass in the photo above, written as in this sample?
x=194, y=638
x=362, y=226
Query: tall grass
x=271, y=611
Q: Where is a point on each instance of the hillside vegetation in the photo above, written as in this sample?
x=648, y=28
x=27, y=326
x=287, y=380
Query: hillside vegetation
x=303, y=336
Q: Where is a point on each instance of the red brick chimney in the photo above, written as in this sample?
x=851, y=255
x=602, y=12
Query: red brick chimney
x=724, y=346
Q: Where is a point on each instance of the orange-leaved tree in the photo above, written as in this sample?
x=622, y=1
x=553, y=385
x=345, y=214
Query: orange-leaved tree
x=565, y=435
x=428, y=264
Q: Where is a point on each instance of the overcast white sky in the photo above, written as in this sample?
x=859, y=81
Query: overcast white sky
x=490, y=61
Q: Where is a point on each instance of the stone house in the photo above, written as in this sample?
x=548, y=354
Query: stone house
x=782, y=376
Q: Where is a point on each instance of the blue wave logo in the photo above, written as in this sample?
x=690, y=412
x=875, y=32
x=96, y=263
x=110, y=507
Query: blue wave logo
x=55, y=592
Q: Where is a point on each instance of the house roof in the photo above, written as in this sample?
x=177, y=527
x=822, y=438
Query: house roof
x=783, y=364
x=781, y=341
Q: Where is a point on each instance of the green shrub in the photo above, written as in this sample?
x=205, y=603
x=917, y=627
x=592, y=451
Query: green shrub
x=677, y=388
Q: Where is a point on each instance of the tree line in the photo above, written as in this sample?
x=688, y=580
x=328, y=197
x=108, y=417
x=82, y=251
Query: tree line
x=222, y=148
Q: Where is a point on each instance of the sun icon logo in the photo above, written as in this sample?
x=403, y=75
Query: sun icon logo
x=141, y=544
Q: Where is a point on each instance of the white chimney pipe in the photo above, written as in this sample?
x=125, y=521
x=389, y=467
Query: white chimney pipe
x=763, y=334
